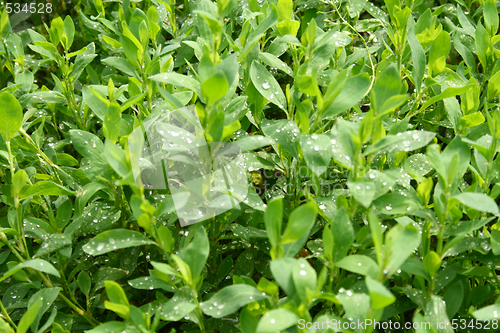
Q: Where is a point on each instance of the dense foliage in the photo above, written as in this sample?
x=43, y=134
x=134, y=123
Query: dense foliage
x=368, y=136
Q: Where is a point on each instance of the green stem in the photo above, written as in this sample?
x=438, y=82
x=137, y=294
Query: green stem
x=5, y=314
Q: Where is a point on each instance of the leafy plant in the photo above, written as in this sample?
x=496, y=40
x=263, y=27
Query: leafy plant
x=250, y=166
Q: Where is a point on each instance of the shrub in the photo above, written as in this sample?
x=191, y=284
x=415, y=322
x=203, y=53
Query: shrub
x=250, y=166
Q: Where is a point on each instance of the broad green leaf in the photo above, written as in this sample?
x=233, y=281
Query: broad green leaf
x=53, y=243
x=387, y=85
x=284, y=132
x=45, y=188
x=48, y=295
x=111, y=240
x=435, y=312
x=282, y=270
x=84, y=282
x=478, y=201
x=483, y=44
x=230, y=299
x=354, y=90
x=363, y=192
x=304, y=278
x=277, y=320
x=359, y=264
x=112, y=122
x=490, y=17
x=180, y=305
x=400, y=242
x=417, y=56
x=11, y=114
x=490, y=312
x=29, y=317
x=178, y=80
x=115, y=293
x=300, y=222
x=380, y=296
x=253, y=142
x=37, y=264
x=403, y=141
x=440, y=49
x=196, y=253
x=214, y=88
x=267, y=85
x=317, y=152
x=343, y=235
x=273, y=217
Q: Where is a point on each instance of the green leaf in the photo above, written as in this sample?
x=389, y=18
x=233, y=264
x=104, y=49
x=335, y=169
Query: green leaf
x=112, y=122
x=11, y=114
x=403, y=141
x=343, y=235
x=273, y=217
x=37, y=264
x=317, y=152
x=380, y=296
x=478, y=201
x=284, y=132
x=363, y=192
x=267, y=85
x=440, y=49
x=400, y=242
x=214, y=88
x=304, y=278
x=196, y=253
x=432, y=262
x=180, y=305
x=115, y=293
x=359, y=264
x=285, y=9
x=354, y=90
x=84, y=282
x=300, y=222
x=111, y=240
x=230, y=299
x=253, y=142
x=53, y=243
x=45, y=188
x=387, y=85
x=277, y=320
x=482, y=43
x=490, y=17
x=178, y=80
x=489, y=312
x=29, y=317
